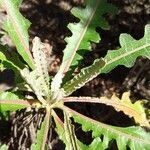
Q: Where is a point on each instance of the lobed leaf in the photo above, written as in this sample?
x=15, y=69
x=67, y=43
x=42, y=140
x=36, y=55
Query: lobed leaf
x=11, y=102
x=129, y=51
x=132, y=137
x=17, y=28
x=96, y=143
x=135, y=110
x=83, y=77
x=83, y=33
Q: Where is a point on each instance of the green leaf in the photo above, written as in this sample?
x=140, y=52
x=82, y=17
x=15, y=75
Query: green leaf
x=129, y=51
x=9, y=96
x=4, y=147
x=13, y=105
x=17, y=27
x=60, y=129
x=12, y=102
x=42, y=134
x=96, y=143
x=135, y=110
x=133, y=137
x=83, y=77
x=84, y=32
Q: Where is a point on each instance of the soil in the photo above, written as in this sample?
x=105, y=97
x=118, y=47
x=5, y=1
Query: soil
x=49, y=22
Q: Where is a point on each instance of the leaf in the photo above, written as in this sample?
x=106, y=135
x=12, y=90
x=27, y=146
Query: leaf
x=61, y=129
x=96, y=143
x=133, y=137
x=41, y=64
x=42, y=134
x=135, y=110
x=129, y=51
x=11, y=102
x=13, y=105
x=34, y=82
x=84, y=32
x=38, y=79
x=4, y=147
x=6, y=104
x=10, y=96
x=83, y=77
x=17, y=27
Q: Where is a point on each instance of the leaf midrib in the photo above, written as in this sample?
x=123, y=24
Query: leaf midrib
x=16, y=102
x=126, y=54
x=103, y=101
